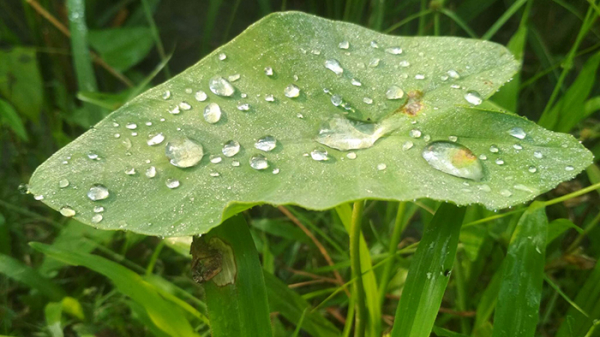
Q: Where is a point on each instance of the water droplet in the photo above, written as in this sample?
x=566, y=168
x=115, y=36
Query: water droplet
x=93, y=156
x=63, y=183
x=175, y=111
x=532, y=169
x=219, y=86
x=299, y=115
x=222, y=56
x=453, y=139
x=231, y=148
x=374, y=44
x=355, y=82
x=188, y=90
x=517, y=147
x=506, y=193
x=374, y=63
x=343, y=134
x=453, y=159
x=414, y=133
x=482, y=157
x=215, y=159
x=569, y=168
x=97, y=218
x=151, y=172
x=407, y=145
x=269, y=71
x=130, y=171
x=473, y=97
x=269, y=98
x=499, y=161
x=97, y=192
x=404, y=63
x=156, y=139
x=67, y=211
x=234, y=77
x=344, y=45
x=200, y=96
x=453, y=74
x=351, y=155
x=336, y=100
x=334, y=65
x=394, y=92
x=394, y=50
x=517, y=133
x=184, y=152
x=235, y=163
x=259, y=162
x=266, y=143
x=212, y=113
x=172, y=183
x=494, y=149
x=484, y=188
x=38, y=197
x=291, y=91
x=131, y=126
x=243, y=106
x=166, y=95
x=185, y=106
x=538, y=155
x=419, y=77
x=319, y=155
x=214, y=174
x=381, y=167
x=98, y=209
x=276, y=171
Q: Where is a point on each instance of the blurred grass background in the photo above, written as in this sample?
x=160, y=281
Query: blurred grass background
x=52, y=89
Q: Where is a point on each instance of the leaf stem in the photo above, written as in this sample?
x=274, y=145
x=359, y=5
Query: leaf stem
x=399, y=226
x=355, y=231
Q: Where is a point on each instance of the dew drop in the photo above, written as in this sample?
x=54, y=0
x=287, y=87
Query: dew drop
x=38, y=197
x=131, y=126
x=374, y=44
x=374, y=63
x=404, y=63
x=414, y=133
x=276, y=171
x=291, y=91
x=484, y=188
x=453, y=139
x=538, y=155
x=98, y=209
x=506, y=193
x=172, y=183
x=482, y=157
x=215, y=159
x=351, y=155
x=212, y=113
x=259, y=162
x=494, y=149
x=517, y=147
x=63, y=183
x=319, y=155
x=67, y=211
x=336, y=100
x=473, y=97
x=453, y=159
x=97, y=218
x=368, y=100
x=499, y=161
x=200, y=96
x=220, y=86
x=569, y=168
x=184, y=152
x=269, y=71
x=269, y=98
x=93, y=156
x=343, y=134
x=97, y=192
x=184, y=106
x=355, y=82
x=419, y=77
x=235, y=163
x=151, y=172
x=266, y=143
x=394, y=50
x=231, y=148
x=453, y=74
x=234, y=77
x=166, y=94
x=517, y=133
x=188, y=90
x=394, y=92
x=155, y=139
x=243, y=106
x=532, y=169
x=175, y=111
x=214, y=174
x=130, y=171
x=334, y=65
x=222, y=56
x=381, y=167
x=344, y=45
x=407, y=145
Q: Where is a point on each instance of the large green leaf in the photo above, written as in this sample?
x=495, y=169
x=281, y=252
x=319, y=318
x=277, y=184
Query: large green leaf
x=436, y=74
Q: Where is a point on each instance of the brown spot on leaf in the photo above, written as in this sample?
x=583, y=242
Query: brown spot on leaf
x=413, y=104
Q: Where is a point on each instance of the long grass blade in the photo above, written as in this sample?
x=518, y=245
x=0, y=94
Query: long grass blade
x=20, y=272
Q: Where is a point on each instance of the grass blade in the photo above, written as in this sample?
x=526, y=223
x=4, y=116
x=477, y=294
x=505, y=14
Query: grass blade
x=236, y=296
x=428, y=274
x=522, y=276
x=20, y=272
x=53, y=313
x=86, y=79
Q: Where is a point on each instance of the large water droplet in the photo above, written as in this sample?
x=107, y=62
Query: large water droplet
x=336, y=100
x=473, y=97
x=319, y=155
x=212, y=113
x=291, y=91
x=259, y=162
x=266, y=143
x=453, y=159
x=220, y=86
x=394, y=92
x=334, y=65
x=67, y=211
x=343, y=134
x=517, y=133
x=184, y=152
x=231, y=148
x=156, y=139
x=98, y=192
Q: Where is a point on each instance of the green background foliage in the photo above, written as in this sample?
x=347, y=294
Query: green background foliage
x=52, y=90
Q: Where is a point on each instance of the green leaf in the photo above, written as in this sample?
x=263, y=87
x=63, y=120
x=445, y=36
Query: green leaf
x=227, y=262
x=293, y=307
x=20, y=81
x=53, y=313
x=20, y=272
x=165, y=315
x=428, y=274
x=122, y=47
x=559, y=226
x=9, y=117
x=522, y=276
x=296, y=44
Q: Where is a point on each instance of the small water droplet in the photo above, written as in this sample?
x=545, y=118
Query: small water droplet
x=404, y=63
x=63, y=183
x=381, y=167
x=97, y=192
x=344, y=45
x=184, y=152
x=266, y=143
x=484, y=188
x=336, y=100
x=538, y=155
x=374, y=44
x=319, y=155
x=151, y=172
x=414, y=133
x=212, y=113
x=185, y=106
x=532, y=169
x=214, y=174
x=215, y=159
x=269, y=98
x=130, y=171
x=351, y=155
x=334, y=65
x=419, y=77
x=506, y=193
x=569, y=168
x=231, y=148
x=67, y=211
x=243, y=106
x=96, y=218
x=517, y=133
x=394, y=50
x=200, y=96
x=156, y=139
x=269, y=71
x=291, y=91
x=93, y=156
x=499, y=161
x=407, y=145
x=355, y=82
x=38, y=197
x=517, y=147
x=131, y=126
x=98, y=209
x=222, y=56
x=453, y=139
x=453, y=159
x=175, y=110
x=172, y=183
x=234, y=77
x=453, y=74
x=374, y=63
x=276, y=171
x=473, y=97
x=188, y=90
x=259, y=162
x=482, y=157
x=394, y=92
x=220, y=86
x=166, y=95
x=368, y=100
x=235, y=163
x=494, y=149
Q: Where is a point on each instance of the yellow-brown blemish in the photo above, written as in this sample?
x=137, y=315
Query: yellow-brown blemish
x=463, y=157
x=413, y=104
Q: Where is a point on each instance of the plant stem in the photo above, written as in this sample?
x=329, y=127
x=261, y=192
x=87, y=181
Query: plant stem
x=359, y=292
x=399, y=227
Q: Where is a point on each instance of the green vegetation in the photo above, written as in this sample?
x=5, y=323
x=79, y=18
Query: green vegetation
x=333, y=154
